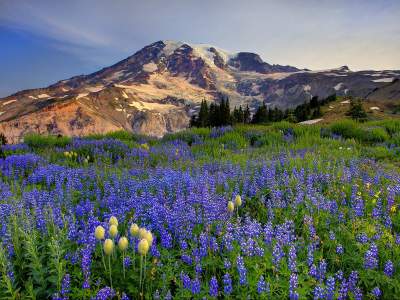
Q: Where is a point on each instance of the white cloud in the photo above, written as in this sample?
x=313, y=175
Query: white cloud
x=313, y=34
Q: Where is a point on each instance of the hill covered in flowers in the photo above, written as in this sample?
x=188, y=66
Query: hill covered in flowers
x=250, y=212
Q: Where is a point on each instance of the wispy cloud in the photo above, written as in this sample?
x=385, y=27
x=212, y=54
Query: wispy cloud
x=307, y=33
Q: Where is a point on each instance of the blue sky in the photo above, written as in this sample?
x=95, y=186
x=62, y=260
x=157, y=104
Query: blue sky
x=42, y=42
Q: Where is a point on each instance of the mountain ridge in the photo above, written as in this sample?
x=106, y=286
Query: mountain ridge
x=158, y=88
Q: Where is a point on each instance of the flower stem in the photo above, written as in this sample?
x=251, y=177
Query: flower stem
x=144, y=272
x=109, y=266
x=102, y=258
x=123, y=262
x=140, y=278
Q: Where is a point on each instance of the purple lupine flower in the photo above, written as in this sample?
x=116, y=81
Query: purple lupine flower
x=268, y=233
x=262, y=285
x=313, y=271
x=357, y=294
x=292, y=259
x=196, y=286
x=397, y=239
x=227, y=264
x=362, y=238
x=310, y=254
x=156, y=295
x=65, y=286
x=213, y=287
x=127, y=262
x=330, y=288
x=293, y=282
x=186, y=282
x=105, y=293
x=187, y=259
x=389, y=268
x=371, y=257
x=318, y=293
x=241, y=270
x=277, y=254
x=227, y=284
x=343, y=290
x=125, y=296
x=168, y=296
x=85, y=265
x=339, y=275
x=339, y=249
x=322, y=270
x=198, y=268
x=184, y=245
x=376, y=292
x=352, y=281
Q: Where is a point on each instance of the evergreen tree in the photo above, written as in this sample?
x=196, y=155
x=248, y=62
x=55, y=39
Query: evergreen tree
x=202, y=120
x=241, y=115
x=356, y=110
x=193, y=121
x=238, y=115
x=314, y=102
x=225, y=113
x=247, y=115
x=290, y=117
x=212, y=115
x=3, y=141
x=260, y=115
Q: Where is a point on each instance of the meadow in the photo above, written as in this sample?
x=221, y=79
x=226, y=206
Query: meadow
x=251, y=212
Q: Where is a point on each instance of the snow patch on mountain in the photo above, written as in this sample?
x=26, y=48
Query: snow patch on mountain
x=200, y=50
x=150, y=67
x=9, y=102
x=383, y=80
x=140, y=105
x=310, y=122
x=82, y=95
x=338, y=86
x=95, y=89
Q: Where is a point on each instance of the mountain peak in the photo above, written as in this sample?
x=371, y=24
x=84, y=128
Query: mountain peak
x=157, y=89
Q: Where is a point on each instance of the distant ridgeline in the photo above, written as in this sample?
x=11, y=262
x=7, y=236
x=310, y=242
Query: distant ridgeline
x=220, y=114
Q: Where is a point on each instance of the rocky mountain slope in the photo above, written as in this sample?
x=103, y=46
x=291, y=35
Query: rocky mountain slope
x=157, y=89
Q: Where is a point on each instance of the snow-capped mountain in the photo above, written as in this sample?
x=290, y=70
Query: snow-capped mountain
x=156, y=90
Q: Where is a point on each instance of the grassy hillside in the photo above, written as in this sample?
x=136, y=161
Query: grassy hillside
x=381, y=110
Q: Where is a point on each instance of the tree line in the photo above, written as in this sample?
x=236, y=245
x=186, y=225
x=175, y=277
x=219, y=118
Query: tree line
x=219, y=114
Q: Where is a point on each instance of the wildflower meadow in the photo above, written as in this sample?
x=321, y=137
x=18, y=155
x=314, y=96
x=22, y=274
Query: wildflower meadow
x=247, y=212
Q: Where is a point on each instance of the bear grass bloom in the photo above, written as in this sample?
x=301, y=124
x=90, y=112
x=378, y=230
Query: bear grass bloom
x=238, y=201
x=113, y=221
x=123, y=243
x=99, y=233
x=108, y=247
x=113, y=231
x=134, y=230
x=231, y=206
x=143, y=247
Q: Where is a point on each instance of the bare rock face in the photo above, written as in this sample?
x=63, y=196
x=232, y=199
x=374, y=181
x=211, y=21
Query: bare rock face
x=159, y=124
x=156, y=90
